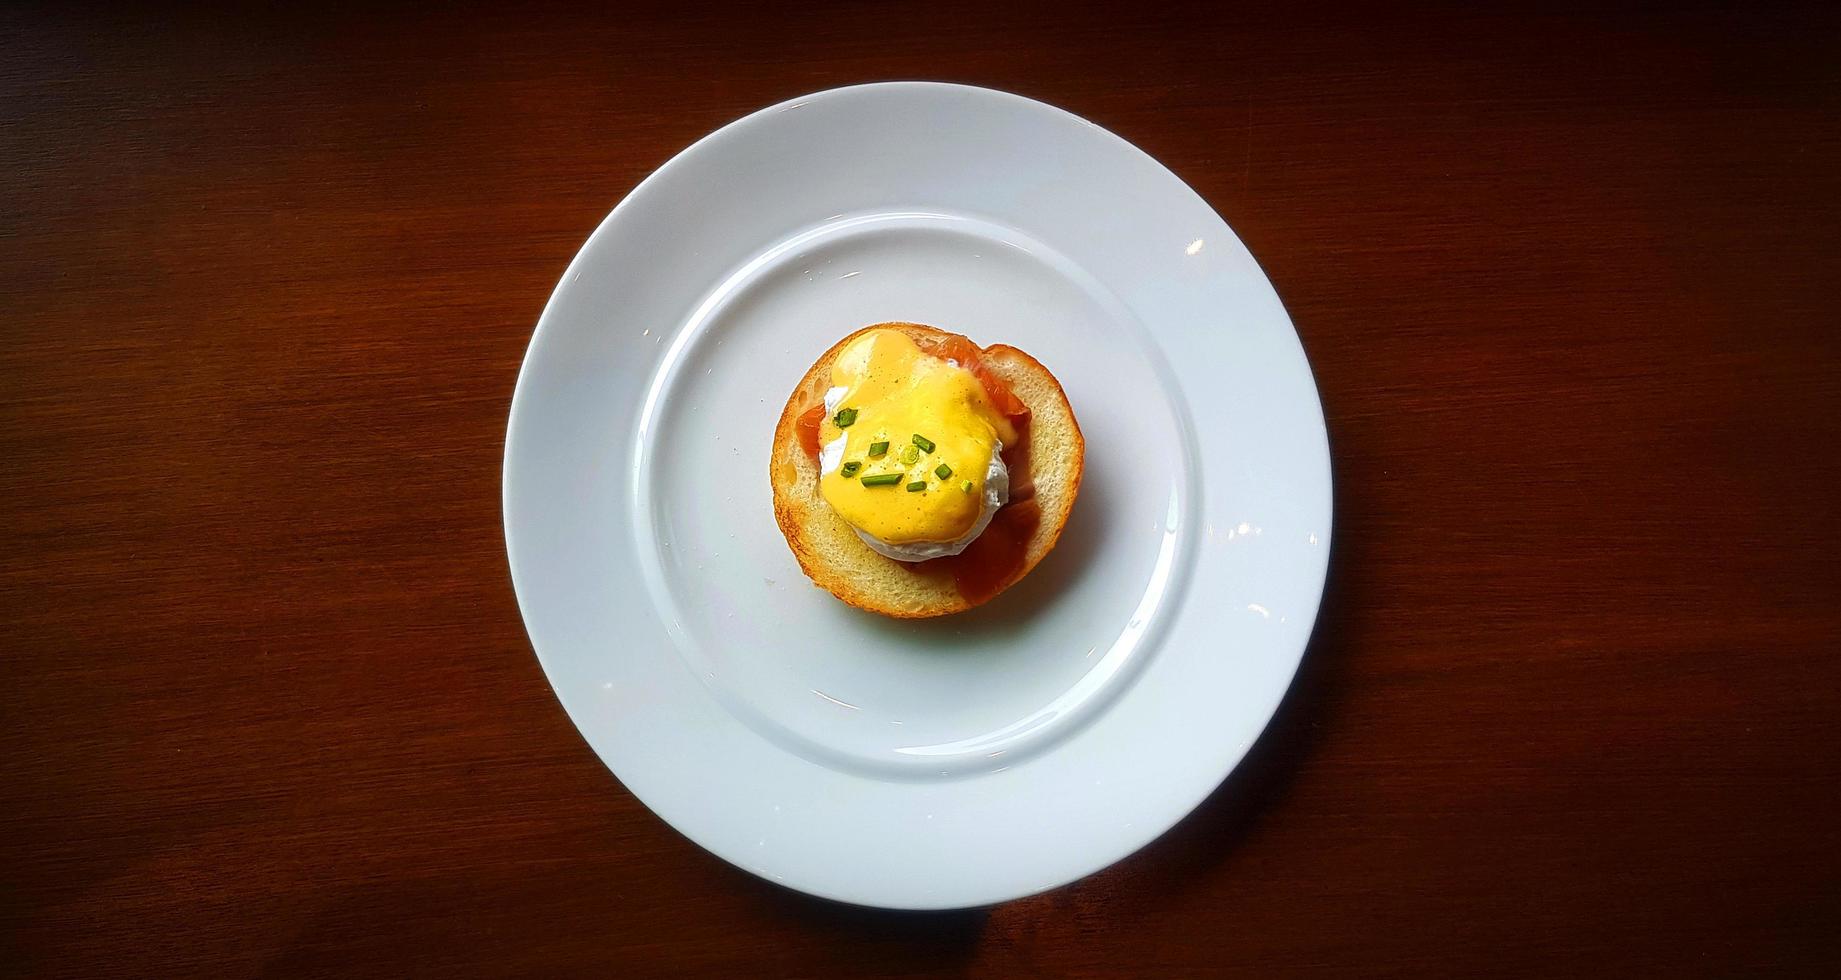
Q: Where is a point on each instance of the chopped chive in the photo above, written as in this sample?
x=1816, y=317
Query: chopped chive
x=942, y=471
x=910, y=455
x=917, y=486
x=851, y=468
x=882, y=480
x=846, y=417
x=878, y=448
x=966, y=486
x=923, y=442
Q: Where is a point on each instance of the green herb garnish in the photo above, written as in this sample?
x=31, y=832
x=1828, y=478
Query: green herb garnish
x=878, y=448
x=846, y=417
x=923, y=442
x=917, y=486
x=851, y=468
x=910, y=455
x=882, y=480
x=967, y=486
x=942, y=471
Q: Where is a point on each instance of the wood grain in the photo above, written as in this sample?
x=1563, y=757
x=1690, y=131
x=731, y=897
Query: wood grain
x=1567, y=278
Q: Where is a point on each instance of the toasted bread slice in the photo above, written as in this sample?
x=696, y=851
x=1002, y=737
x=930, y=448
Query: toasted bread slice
x=837, y=560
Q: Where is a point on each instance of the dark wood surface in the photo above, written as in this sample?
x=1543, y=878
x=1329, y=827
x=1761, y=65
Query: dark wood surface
x=1568, y=280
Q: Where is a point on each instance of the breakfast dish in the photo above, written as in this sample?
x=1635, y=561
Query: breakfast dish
x=916, y=475
x=947, y=761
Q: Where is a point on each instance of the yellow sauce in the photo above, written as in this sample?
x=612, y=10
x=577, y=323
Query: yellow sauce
x=898, y=392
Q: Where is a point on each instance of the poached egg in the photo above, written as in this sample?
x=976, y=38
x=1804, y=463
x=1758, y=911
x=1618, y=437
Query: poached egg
x=911, y=450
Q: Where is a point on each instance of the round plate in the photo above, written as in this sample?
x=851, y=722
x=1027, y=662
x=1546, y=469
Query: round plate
x=938, y=763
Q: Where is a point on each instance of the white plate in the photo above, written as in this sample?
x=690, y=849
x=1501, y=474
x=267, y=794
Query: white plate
x=942, y=763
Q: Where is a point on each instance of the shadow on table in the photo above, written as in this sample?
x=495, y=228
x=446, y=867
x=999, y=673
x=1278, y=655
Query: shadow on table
x=929, y=939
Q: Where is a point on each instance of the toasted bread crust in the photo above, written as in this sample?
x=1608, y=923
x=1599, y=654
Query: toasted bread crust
x=836, y=560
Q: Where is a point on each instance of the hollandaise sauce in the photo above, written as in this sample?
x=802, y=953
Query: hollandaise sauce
x=907, y=432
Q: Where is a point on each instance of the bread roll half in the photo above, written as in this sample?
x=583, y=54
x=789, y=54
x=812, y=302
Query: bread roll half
x=832, y=555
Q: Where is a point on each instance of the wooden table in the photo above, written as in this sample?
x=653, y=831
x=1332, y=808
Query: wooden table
x=1568, y=282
